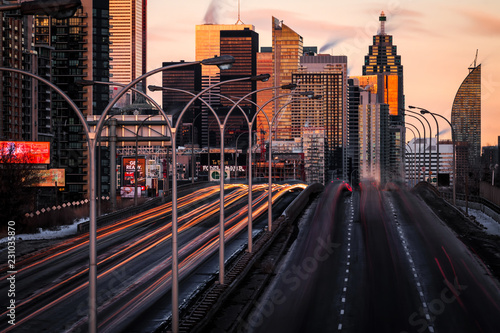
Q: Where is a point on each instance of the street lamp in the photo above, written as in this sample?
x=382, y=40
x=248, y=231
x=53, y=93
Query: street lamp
x=428, y=157
x=424, y=111
x=59, y=9
x=113, y=136
x=419, y=147
x=219, y=61
x=437, y=141
x=414, y=152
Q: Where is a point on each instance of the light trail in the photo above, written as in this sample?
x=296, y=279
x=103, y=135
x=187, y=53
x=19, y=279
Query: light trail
x=148, y=242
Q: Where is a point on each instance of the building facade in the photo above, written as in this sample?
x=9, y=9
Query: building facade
x=326, y=76
x=78, y=52
x=287, y=49
x=466, y=114
x=383, y=60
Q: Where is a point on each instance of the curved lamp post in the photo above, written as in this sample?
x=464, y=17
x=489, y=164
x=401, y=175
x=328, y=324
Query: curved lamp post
x=419, y=147
x=430, y=144
x=222, y=61
x=437, y=141
x=409, y=115
x=414, y=152
x=91, y=144
x=424, y=111
x=113, y=149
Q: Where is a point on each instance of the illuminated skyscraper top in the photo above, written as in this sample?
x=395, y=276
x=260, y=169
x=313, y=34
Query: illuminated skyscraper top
x=382, y=58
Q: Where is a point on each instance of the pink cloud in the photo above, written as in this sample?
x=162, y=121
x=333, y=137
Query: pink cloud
x=483, y=23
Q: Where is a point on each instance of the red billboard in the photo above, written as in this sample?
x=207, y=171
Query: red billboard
x=31, y=152
x=129, y=171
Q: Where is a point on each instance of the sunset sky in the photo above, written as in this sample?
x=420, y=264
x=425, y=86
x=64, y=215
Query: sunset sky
x=437, y=41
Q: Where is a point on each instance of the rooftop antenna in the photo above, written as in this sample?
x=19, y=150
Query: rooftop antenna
x=475, y=60
x=239, y=20
x=382, y=20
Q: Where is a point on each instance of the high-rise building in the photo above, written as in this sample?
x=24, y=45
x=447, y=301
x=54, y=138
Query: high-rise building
x=383, y=59
x=184, y=78
x=20, y=112
x=326, y=76
x=287, y=50
x=128, y=41
x=80, y=50
x=264, y=66
x=466, y=114
x=240, y=41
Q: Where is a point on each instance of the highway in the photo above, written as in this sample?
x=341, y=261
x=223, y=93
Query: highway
x=377, y=261
x=134, y=262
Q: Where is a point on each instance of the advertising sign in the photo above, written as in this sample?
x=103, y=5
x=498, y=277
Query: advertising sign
x=51, y=178
x=31, y=152
x=129, y=172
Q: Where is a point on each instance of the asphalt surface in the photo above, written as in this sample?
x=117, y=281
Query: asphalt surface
x=377, y=261
x=134, y=262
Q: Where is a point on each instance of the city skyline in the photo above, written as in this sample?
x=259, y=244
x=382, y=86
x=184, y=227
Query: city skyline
x=442, y=38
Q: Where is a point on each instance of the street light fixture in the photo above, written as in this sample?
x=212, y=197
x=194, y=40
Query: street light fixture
x=419, y=148
x=437, y=141
x=429, y=155
x=59, y=9
x=424, y=111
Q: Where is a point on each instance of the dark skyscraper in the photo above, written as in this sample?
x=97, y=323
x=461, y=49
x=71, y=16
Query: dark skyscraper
x=383, y=60
x=466, y=114
x=185, y=78
x=80, y=50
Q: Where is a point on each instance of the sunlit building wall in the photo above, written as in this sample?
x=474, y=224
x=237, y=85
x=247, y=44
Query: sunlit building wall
x=287, y=50
x=127, y=36
x=466, y=114
x=326, y=76
x=208, y=45
x=264, y=66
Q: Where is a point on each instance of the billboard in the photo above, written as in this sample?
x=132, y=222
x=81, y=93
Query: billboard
x=31, y=152
x=51, y=178
x=129, y=171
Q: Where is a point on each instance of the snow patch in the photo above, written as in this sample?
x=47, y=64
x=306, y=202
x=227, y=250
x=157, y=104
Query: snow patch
x=61, y=232
x=492, y=226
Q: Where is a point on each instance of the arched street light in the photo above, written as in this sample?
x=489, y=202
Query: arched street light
x=437, y=141
x=92, y=137
x=429, y=155
x=424, y=111
x=414, y=152
x=113, y=146
x=419, y=148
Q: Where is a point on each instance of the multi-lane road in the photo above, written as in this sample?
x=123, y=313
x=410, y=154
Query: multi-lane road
x=377, y=261
x=134, y=262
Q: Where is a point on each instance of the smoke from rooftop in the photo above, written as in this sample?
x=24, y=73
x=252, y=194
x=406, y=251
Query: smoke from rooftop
x=330, y=44
x=213, y=13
